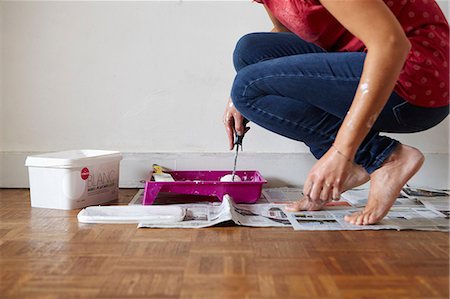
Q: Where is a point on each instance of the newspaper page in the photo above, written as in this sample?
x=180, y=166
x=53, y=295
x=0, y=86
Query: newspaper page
x=441, y=204
x=358, y=198
x=433, y=199
x=198, y=215
x=260, y=215
x=210, y=214
x=399, y=218
x=419, y=191
x=415, y=209
x=437, y=200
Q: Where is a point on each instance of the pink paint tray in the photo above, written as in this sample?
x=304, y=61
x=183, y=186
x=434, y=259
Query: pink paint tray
x=208, y=183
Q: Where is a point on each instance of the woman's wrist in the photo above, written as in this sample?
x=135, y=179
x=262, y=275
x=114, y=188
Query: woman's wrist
x=345, y=154
x=346, y=143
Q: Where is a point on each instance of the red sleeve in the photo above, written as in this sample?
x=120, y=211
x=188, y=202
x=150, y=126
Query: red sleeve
x=259, y=1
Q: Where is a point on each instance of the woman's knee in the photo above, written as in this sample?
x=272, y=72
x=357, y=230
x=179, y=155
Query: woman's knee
x=247, y=49
x=238, y=90
x=244, y=91
x=236, y=93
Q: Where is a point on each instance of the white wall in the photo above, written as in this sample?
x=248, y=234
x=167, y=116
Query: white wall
x=143, y=76
x=132, y=76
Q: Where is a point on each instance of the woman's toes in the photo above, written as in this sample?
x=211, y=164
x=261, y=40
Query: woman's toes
x=366, y=219
x=351, y=218
x=360, y=219
x=374, y=219
x=300, y=205
x=347, y=218
x=304, y=205
x=294, y=206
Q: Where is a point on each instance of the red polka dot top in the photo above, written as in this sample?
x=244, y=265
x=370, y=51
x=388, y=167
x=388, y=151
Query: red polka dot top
x=424, y=79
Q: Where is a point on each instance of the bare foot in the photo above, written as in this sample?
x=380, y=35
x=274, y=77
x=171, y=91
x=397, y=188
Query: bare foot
x=359, y=177
x=386, y=183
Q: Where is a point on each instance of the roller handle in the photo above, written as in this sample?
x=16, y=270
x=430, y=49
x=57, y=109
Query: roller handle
x=238, y=138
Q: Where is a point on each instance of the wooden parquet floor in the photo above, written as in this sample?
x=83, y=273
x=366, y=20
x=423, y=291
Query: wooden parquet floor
x=48, y=254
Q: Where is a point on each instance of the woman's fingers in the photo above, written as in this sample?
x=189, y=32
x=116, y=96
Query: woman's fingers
x=336, y=193
x=316, y=190
x=325, y=194
x=230, y=135
x=238, y=123
x=324, y=181
x=234, y=122
x=307, y=187
x=228, y=121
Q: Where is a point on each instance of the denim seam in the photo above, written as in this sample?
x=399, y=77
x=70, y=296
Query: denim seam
x=395, y=111
x=263, y=58
x=330, y=78
x=287, y=120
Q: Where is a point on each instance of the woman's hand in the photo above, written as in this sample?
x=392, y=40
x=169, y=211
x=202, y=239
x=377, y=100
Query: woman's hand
x=234, y=122
x=326, y=179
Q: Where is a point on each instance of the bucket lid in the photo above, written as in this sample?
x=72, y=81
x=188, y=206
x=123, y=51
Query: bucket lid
x=72, y=158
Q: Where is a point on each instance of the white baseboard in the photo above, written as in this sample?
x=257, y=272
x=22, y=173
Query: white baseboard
x=280, y=169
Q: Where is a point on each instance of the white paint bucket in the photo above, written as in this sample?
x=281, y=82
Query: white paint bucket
x=73, y=179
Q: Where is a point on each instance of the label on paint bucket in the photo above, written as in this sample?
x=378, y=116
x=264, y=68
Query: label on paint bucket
x=84, y=173
x=102, y=179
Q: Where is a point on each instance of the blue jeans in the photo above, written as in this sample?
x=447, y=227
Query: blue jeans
x=298, y=90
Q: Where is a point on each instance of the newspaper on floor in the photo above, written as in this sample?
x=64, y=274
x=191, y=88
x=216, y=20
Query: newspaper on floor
x=434, y=199
x=441, y=204
x=200, y=215
x=415, y=209
x=408, y=213
x=398, y=218
x=358, y=199
x=420, y=191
